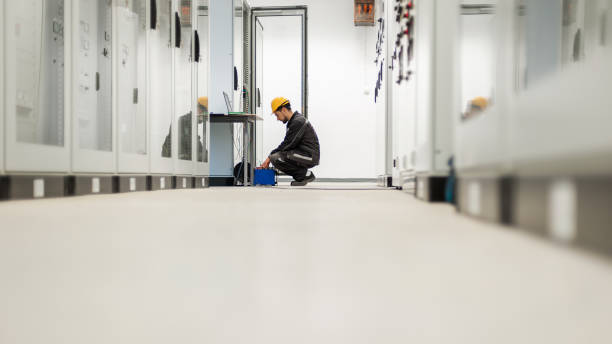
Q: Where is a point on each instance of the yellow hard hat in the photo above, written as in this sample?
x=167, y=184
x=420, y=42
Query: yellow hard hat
x=278, y=102
x=480, y=103
x=203, y=101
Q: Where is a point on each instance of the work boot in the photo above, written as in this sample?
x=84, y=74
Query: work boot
x=309, y=178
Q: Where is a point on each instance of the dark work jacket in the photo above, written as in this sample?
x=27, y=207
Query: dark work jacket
x=301, y=137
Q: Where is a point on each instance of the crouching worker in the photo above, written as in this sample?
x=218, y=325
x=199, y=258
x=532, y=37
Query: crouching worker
x=299, y=151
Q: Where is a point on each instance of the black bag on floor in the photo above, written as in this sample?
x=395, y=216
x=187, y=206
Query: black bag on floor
x=239, y=174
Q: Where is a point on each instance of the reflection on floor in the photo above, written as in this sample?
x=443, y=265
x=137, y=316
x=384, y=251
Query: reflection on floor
x=270, y=265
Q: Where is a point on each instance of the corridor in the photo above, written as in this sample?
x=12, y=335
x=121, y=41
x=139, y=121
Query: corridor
x=264, y=265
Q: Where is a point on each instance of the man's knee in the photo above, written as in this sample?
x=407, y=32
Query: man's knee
x=276, y=158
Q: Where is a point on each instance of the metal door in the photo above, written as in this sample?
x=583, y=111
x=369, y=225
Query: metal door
x=131, y=27
x=92, y=115
x=201, y=85
x=182, y=91
x=162, y=140
x=35, y=85
x=2, y=80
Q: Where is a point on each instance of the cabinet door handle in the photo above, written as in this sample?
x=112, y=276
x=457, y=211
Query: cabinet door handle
x=153, y=14
x=177, y=30
x=197, y=46
x=235, y=79
x=258, y=97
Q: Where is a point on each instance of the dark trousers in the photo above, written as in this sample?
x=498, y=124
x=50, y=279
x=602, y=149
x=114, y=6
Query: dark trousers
x=292, y=163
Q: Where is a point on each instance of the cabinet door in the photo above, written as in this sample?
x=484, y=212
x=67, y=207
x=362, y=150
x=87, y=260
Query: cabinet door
x=92, y=115
x=183, y=93
x=202, y=72
x=160, y=80
x=36, y=84
x=132, y=121
x=2, y=80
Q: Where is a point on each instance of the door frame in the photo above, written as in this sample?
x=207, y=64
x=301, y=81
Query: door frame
x=280, y=11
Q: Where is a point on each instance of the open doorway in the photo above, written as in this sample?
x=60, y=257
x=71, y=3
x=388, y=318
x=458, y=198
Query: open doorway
x=279, y=60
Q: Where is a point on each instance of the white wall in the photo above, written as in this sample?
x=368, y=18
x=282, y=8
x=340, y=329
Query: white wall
x=341, y=69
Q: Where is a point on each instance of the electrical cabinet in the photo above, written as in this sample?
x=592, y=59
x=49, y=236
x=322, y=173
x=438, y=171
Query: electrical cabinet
x=2, y=109
x=239, y=90
x=92, y=115
x=159, y=72
x=383, y=138
x=552, y=128
x=435, y=53
x=479, y=128
x=183, y=92
x=238, y=99
x=401, y=93
x=37, y=49
x=105, y=87
x=202, y=73
x=131, y=84
x=416, y=92
x=544, y=55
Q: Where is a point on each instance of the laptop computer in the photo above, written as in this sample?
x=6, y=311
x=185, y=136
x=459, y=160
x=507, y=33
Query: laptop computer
x=228, y=104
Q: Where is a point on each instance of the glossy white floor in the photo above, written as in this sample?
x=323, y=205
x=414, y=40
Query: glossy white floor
x=233, y=265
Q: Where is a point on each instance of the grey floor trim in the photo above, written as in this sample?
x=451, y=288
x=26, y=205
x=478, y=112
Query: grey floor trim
x=82, y=185
x=431, y=188
x=23, y=187
x=160, y=182
x=31, y=186
x=200, y=182
x=571, y=211
x=336, y=180
x=131, y=183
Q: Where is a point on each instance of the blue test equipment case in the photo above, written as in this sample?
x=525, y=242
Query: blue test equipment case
x=265, y=177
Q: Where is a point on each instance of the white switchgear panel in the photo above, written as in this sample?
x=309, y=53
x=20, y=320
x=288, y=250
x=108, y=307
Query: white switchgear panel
x=201, y=86
x=131, y=84
x=435, y=75
x=160, y=86
x=92, y=73
x=35, y=79
x=2, y=109
x=183, y=93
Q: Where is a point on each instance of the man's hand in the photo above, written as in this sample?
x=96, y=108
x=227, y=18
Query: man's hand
x=265, y=165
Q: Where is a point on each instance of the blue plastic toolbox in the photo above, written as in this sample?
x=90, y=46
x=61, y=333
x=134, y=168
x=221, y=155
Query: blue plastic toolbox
x=265, y=177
